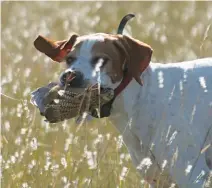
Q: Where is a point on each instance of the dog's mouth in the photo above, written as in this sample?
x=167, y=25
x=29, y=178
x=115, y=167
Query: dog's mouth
x=75, y=79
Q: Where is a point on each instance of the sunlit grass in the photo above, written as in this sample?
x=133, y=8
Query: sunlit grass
x=61, y=156
x=37, y=154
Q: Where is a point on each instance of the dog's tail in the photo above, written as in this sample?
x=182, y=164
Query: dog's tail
x=123, y=22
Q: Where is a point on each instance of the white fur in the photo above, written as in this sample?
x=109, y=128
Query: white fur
x=83, y=62
x=166, y=121
x=172, y=114
x=84, y=57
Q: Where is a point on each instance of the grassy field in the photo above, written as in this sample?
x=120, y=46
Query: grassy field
x=37, y=154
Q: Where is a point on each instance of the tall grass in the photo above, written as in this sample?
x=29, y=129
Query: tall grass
x=37, y=154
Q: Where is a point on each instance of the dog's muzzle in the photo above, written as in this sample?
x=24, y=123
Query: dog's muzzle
x=72, y=78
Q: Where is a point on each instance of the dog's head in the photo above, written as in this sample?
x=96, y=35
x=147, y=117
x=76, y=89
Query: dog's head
x=101, y=58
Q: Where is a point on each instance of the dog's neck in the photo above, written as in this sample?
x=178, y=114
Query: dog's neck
x=127, y=103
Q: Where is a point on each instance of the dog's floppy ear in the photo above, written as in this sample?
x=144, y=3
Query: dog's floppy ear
x=138, y=55
x=56, y=50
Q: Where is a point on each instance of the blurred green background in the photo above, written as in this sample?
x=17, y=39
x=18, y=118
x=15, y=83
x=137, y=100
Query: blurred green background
x=37, y=154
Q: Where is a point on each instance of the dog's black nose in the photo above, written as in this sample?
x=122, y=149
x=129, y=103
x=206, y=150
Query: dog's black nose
x=72, y=78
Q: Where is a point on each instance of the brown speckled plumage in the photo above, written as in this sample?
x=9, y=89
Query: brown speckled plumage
x=60, y=103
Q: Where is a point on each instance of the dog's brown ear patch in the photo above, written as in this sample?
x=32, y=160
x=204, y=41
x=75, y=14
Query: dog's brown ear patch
x=56, y=50
x=138, y=55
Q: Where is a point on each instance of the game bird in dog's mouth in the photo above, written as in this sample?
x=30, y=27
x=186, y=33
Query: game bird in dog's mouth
x=163, y=111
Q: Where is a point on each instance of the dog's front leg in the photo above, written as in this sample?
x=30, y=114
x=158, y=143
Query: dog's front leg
x=140, y=158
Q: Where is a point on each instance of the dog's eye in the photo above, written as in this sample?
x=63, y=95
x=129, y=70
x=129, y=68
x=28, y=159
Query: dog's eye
x=70, y=60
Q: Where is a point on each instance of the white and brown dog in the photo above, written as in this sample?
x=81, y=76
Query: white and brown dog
x=165, y=112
